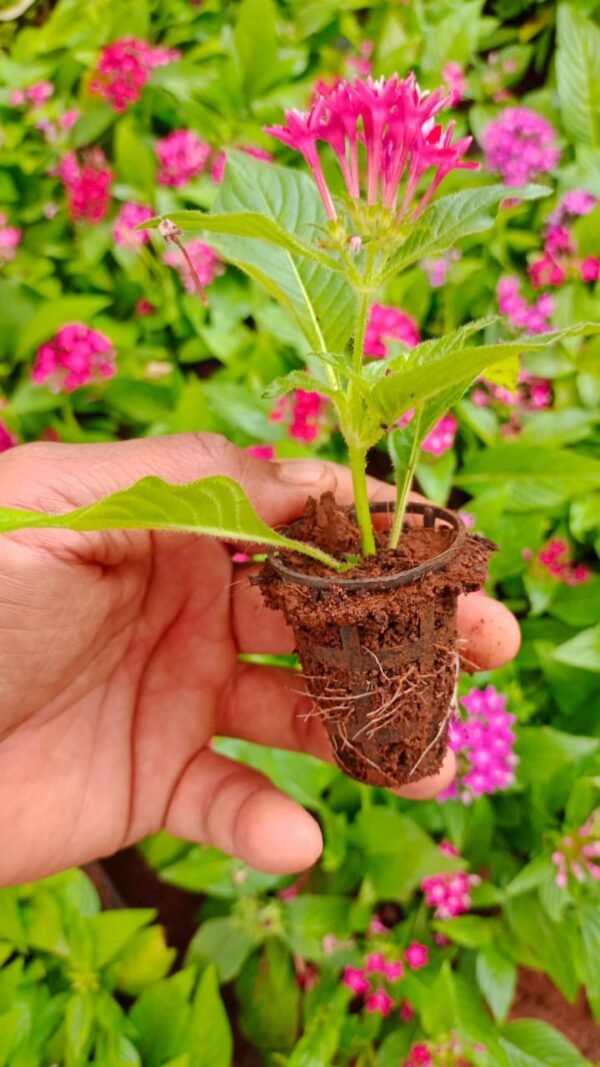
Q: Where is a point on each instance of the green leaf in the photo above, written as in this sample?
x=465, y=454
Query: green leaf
x=434, y=366
x=321, y=302
x=256, y=45
x=394, y=871
x=213, y=507
x=298, y=379
x=161, y=1016
x=532, y=1043
x=452, y=217
x=582, y=651
x=269, y=999
x=145, y=960
x=79, y=1022
x=497, y=979
x=224, y=942
x=113, y=930
x=590, y=936
x=56, y=313
x=471, y=931
x=208, y=1037
x=578, y=73
x=321, y=1037
x=309, y=918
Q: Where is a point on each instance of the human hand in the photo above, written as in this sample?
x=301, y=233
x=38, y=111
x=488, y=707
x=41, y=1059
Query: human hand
x=119, y=663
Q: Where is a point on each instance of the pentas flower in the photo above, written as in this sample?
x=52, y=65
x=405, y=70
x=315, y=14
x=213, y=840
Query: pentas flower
x=437, y=269
x=590, y=269
x=393, y=122
x=75, y=356
x=389, y=323
x=454, y=78
x=302, y=411
x=87, y=182
x=484, y=743
x=7, y=439
x=416, y=955
x=449, y=893
x=379, y=1002
x=10, y=239
x=124, y=229
x=555, y=558
x=354, y=978
x=124, y=68
x=578, y=854
x=533, y=318
x=520, y=145
x=205, y=260
x=37, y=95
x=572, y=205
x=181, y=155
x=441, y=438
x=449, y=1053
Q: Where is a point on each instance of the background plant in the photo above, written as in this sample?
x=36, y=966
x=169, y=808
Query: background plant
x=523, y=462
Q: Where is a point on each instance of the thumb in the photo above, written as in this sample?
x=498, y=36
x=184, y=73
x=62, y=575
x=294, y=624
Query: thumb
x=55, y=477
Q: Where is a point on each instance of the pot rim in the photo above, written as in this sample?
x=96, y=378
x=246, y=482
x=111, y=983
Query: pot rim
x=430, y=513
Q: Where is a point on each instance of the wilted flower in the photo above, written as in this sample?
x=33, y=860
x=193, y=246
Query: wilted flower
x=578, y=854
x=87, y=183
x=387, y=322
x=520, y=145
x=75, y=356
x=181, y=155
x=124, y=68
x=124, y=229
x=394, y=122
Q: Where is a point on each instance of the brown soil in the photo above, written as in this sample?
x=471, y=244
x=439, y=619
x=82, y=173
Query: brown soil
x=538, y=998
x=380, y=664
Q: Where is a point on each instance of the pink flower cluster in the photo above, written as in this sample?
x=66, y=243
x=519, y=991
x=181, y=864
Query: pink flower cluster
x=75, y=356
x=130, y=216
x=449, y=1053
x=533, y=318
x=389, y=322
x=7, y=439
x=483, y=742
x=559, y=258
x=449, y=893
x=87, y=183
x=181, y=155
x=302, y=411
x=206, y=264
x=394, y=122
x=532, y=394
x=52, y=130
x=437, y=269
x=124, y=68
x=578, y=854
x=520, y=145
x=10, y=239
x=555, y=558
x=36, y=95
x=378, y=1000
x=441, y=438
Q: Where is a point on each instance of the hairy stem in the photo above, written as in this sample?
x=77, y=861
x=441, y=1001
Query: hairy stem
x=404, y=481
x=358, y=463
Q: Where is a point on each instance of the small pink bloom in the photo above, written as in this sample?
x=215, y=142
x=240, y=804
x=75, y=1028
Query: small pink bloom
x=181, y=155
x=407, y=1012
x=416, y=955
x=74, y=357
x=520, y=145
x=590, y=269
x=7, y=439
x=17, y=98
x=419, y=1056
x=376, y=963
x=124, y=68
x=394, y=970
x=454, y=77
x=302, y=411
x=379, y=1002
x=130, y=216
x=144, y=307
x=10, y=239
x=87, y=182
x=69, y=118
x=207, y=264
x=577, y=202
x=40, y=93
x=441, y=438
x=261, y=451
x=376, y=926
x=355, y=979
x=388, y=323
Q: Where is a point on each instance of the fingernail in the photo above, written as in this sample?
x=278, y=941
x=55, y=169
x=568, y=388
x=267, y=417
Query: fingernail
x=303, y=471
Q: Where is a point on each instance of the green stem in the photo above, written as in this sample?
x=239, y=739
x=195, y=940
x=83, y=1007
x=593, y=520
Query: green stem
x=358, y=464
x=405, y=484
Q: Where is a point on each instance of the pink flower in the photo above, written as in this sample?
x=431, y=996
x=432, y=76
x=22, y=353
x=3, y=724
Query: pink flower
x=181, y=155
x=393, y=122
x=454, y=77
x=578, y=854
x=394, y=970
x=387, y=322
x=416, y=955
x=7, y=439
x=576, y=202
x=207, y=264
x=546, y=271
x=533, y=318
x=590, y=269
x=130, y=216
x=376, y=963
x=483, y=743
x=87, y=183
x=37, y=94
x=379, y=1002
x=124, y=68
x=302, y=411
x=520, y=145
x=419, y=1056
x=144, y=307
x=407, y=1012
x=75, y=356
x=449, y=892
x=10, y=239
x=356, y=980
x=261, y=451
x=68, y=118
x=376, y=926
x=437, y=269
x=441, y=438
x=555, y=558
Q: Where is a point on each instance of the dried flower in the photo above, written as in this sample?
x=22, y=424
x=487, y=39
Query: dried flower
x=394, y=122
x=75, y=356
x=520, y=145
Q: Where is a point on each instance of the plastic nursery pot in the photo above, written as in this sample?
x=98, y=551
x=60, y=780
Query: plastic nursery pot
x=379, y=648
